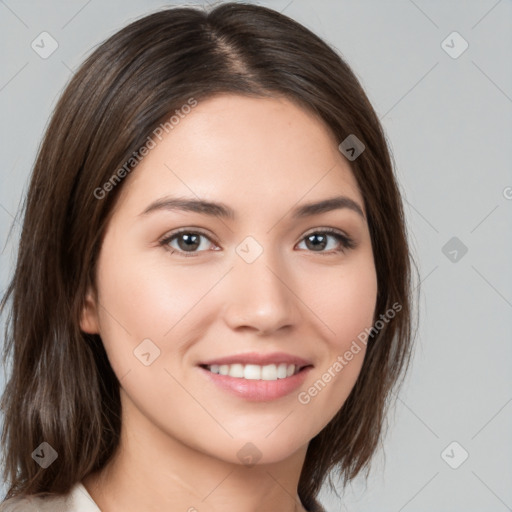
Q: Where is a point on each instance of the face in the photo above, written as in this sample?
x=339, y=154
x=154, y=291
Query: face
x=260, y=288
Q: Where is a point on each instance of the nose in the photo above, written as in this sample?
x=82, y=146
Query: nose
x=261, y=296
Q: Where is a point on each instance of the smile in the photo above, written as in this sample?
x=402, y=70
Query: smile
x=255, y=371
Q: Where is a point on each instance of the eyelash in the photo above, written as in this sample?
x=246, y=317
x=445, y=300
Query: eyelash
x=346, y=242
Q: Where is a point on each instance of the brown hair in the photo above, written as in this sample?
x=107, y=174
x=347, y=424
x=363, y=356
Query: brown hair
x=62, y=389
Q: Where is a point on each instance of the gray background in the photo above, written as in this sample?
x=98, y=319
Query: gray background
x=449, y=126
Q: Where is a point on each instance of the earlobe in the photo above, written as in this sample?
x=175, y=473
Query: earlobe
x=89, y=318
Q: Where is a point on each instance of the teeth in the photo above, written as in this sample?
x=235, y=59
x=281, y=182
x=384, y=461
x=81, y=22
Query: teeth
x=281, y=371
x=236, y=370
x=254, y=371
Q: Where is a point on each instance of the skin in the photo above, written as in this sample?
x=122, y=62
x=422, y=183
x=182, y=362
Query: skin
x=180, y=434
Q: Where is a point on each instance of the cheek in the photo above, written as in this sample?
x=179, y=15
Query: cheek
x=144, y=296
x=143, y=290
x=346, y=305
x=345, y=301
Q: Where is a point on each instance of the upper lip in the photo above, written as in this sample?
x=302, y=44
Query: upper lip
x=259, y=359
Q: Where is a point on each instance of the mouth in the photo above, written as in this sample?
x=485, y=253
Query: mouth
x=269, y=372
x=257, y=377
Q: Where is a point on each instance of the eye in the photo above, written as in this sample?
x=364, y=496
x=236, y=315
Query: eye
x=319, y=240
x=189, y=243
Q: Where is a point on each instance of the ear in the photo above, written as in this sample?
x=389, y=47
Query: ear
x=89, y=318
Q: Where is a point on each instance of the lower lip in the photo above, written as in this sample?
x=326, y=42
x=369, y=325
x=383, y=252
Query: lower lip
x=258, y=390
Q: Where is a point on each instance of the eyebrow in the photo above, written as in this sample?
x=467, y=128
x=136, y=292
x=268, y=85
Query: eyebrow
x=221, y=210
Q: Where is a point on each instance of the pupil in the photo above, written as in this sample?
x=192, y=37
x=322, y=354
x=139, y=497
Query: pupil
x=191, y=242
x=321, y=244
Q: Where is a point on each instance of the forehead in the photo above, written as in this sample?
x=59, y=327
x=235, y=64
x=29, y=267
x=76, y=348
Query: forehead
x=240, y=150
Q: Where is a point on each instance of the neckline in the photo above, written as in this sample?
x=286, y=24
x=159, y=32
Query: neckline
x=82, y=500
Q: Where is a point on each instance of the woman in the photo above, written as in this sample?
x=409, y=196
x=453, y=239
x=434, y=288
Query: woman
x=212, y=300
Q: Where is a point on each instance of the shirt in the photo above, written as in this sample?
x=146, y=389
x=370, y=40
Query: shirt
x=77, y=500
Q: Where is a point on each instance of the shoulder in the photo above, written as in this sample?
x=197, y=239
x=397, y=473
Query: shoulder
x=77, y=500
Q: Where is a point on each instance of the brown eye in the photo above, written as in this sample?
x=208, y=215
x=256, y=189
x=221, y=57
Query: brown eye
x=319, y=240
x=186, y=241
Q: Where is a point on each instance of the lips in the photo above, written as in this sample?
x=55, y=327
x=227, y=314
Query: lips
x=256, y=389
